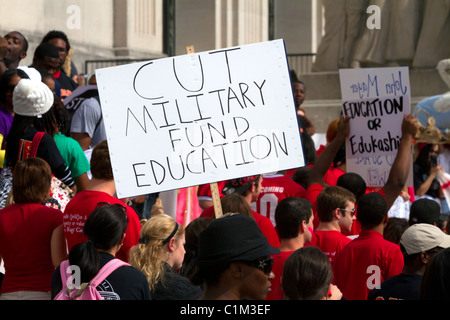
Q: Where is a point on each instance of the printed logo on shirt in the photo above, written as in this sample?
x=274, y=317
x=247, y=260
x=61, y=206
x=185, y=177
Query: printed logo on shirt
x=272, y=189
x=74, y=223
x=107, y=291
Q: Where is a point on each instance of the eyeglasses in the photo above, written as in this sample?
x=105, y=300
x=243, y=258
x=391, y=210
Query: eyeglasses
x=104, y=203
x=352, y=212
x=264, y=264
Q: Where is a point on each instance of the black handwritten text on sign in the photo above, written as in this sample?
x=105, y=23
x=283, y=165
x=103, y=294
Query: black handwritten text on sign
x=375, y=100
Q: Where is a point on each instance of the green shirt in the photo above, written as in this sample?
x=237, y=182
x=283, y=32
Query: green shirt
x=72, y=154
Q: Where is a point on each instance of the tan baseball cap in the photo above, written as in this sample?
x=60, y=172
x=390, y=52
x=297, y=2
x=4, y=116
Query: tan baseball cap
x=422, y=237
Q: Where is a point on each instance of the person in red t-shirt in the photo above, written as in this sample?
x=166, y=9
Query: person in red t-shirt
x=274, y=189
x=336, y=211
x=249, y=188
x=32, y=241
x=368, y=260
x=204, y=194
x=294, y=225
x=316, y=175
x=100, y=190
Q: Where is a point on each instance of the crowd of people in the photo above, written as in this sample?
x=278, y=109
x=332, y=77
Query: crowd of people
x=311, y=233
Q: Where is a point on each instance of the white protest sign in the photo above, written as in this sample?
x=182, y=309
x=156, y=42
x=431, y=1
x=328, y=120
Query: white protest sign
x=376, y=100
x=200, y=118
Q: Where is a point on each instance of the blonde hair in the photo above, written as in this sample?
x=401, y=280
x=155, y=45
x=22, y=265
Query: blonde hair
x=147, y=256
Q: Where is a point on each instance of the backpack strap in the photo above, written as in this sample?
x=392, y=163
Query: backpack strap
x=35, y=144
x=101, y=114
x=106, y=271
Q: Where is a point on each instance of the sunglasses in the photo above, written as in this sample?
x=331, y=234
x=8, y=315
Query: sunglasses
x=264, y=264
x=352, y=212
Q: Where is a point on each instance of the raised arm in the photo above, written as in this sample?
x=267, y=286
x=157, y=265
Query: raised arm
x=399, y=172
x=325, y=159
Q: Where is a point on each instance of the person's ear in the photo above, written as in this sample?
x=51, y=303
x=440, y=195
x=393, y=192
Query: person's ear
x=237, y=270
x=123, y=239
x=171, y=245
x=425, y=257
x=337, y=214
x=303, y=227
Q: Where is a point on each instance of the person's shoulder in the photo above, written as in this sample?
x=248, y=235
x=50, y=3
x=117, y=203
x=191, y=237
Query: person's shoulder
x=50, y=210
x=282, y=256
x=398, y=287
x=35, y=207
x=89, y=104
x=392, y=246
x=208, y=212
x=84, y=198
x=62, y=137
x=260, y=219
x=129, y=272
x=315, y=187
x=292, y=184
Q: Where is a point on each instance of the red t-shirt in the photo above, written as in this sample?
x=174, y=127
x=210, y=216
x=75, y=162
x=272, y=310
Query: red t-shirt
x=263, y=223
x=80, y=207
x=329, y=242
x=332, y=175
x=365, y=262
x=25, y=235
x=274, y=189
x=276, y=292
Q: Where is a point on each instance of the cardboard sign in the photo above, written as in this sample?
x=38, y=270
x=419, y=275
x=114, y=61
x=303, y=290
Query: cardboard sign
x=200, y=118
x=376, y=101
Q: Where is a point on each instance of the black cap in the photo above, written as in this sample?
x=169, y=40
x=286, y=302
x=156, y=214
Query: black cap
x=424, y=211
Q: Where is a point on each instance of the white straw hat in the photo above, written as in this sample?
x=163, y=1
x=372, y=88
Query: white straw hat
x=32, y=98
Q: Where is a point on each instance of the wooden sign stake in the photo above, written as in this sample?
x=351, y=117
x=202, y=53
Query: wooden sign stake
x=214, y=187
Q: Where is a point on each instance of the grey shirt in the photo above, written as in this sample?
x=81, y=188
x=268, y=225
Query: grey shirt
x=88, y=119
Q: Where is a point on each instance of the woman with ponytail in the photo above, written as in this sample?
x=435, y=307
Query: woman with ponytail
x=160, y=256
x=105, y=229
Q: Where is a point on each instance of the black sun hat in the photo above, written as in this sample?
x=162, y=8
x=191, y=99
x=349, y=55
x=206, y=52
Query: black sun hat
x=233, y=238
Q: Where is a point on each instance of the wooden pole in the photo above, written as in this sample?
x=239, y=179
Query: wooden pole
x=214, y=187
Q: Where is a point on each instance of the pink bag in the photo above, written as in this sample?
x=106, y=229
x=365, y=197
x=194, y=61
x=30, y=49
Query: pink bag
x=87, y=291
